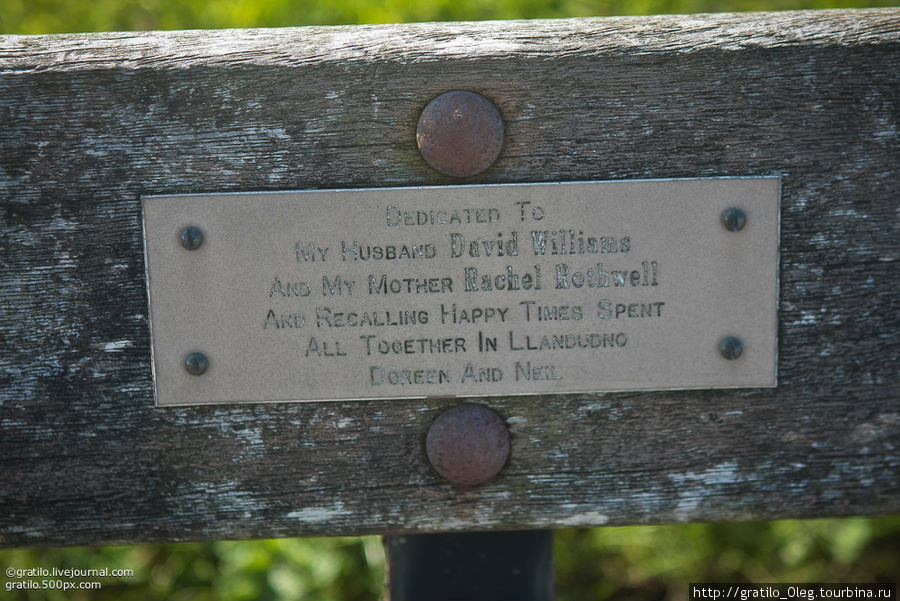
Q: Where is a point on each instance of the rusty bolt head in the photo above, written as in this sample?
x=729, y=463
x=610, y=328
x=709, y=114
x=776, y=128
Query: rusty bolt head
x=468, y=445
x=460, y=133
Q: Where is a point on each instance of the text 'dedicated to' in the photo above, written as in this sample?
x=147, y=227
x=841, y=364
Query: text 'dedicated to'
x=463, y=290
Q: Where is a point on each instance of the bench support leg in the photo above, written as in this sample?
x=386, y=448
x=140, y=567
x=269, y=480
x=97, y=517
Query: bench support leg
x=476, y=566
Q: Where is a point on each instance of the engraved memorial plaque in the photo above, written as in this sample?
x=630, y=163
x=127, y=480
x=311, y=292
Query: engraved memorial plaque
x=463, y=290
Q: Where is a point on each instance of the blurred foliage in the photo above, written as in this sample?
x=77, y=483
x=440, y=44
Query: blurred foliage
x=67, y=16
x=639, y=563
x=634, y=563
x=325, y=569
x=645, y=563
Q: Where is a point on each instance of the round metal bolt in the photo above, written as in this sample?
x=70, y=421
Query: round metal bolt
x=731, y=348
x=460, y=133
x=196, y=364
x=468, y=445
x=191, y=237
x=734, y=219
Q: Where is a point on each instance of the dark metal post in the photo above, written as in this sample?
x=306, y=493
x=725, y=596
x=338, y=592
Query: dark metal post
x=476, y=566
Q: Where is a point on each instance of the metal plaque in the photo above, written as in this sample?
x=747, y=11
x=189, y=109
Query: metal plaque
x=463, y=290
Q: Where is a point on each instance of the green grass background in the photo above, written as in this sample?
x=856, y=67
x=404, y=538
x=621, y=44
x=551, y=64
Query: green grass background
x=634, y=563
x=62, y=16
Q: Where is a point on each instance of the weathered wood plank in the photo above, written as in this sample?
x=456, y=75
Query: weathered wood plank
x=89, y=123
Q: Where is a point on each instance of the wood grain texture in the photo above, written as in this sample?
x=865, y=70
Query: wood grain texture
x=89, y=123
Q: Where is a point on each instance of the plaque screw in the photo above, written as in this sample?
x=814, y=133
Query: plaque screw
x=460, y=133
x=731, y=348
x=468, y=445
x=191, y=237
x=734, y=219
x=196, y=364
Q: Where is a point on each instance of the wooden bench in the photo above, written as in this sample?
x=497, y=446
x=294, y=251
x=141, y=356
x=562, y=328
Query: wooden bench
x=91, y=124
